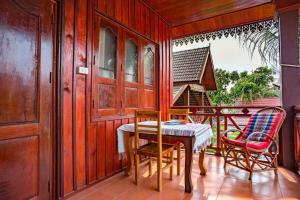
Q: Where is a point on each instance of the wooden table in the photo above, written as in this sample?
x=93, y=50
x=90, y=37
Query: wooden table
x=187, y=141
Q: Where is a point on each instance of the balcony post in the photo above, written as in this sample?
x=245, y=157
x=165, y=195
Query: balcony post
x=218, y=150
x=290, y=78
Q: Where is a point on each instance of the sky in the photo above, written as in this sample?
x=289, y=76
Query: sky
x=227, y=54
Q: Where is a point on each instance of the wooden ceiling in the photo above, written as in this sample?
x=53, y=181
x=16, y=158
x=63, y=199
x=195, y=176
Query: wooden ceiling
x=179, y=12
x=219, y=22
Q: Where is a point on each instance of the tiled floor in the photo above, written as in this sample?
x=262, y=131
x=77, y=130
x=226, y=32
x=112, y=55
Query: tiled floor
x=217, y=184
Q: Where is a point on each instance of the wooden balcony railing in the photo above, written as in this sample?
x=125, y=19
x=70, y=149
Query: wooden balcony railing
x=221, y=118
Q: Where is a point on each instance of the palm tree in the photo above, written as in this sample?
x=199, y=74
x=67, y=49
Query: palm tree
x=266, y=42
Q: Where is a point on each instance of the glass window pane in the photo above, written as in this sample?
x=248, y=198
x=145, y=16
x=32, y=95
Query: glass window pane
x=131, y=74
x=108, y=53
x=148, y=66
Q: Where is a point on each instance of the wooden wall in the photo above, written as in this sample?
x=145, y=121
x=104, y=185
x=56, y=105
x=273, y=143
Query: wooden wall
x=86, y=147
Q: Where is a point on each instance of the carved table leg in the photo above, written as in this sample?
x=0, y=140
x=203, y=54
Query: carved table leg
x=188, y=143
x=201, y=163
x=129, y=153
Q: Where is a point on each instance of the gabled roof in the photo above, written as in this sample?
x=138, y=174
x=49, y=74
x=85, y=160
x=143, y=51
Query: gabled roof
x=195, y=90
x=179, y=89
x=189, y=65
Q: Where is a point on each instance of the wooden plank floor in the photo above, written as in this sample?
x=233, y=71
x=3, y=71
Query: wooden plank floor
x=217, y=184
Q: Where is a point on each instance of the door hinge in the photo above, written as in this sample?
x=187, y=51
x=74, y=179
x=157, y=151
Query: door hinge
x=121, y=67
x=49, y=186
x=94, y=60
x=93, y=104
x=50, y=77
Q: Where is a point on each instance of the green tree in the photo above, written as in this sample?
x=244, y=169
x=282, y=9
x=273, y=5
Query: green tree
x=262, y=76
x=245, y=86
x=245, y=90
x=255, y=85
x=234, y=76
x=222, y=95
x=244, y=74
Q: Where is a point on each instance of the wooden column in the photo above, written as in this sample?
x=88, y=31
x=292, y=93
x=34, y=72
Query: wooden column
x=186, y=97
x=290, y=77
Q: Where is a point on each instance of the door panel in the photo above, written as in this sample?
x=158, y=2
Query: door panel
x=19, y=172
x=19, y=47
x=26, y=59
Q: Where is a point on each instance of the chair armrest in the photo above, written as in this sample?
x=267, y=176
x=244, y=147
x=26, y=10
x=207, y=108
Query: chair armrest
x=224, y=133
x=259, y=133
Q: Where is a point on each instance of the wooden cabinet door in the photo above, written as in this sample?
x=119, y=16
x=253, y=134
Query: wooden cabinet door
x=149, y=76
x=131, y=73
x=26, y=59
x=106, y=68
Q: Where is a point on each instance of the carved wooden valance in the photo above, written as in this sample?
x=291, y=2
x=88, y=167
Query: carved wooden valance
x=235, y=31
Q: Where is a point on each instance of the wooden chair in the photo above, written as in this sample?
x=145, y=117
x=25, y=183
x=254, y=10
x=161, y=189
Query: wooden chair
x=151, y=150
x=184, y=115
x=255, y=148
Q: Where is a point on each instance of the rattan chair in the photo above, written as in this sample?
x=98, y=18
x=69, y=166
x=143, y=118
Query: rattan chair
x=151, y=150
x=178, y=114
x=255, y=148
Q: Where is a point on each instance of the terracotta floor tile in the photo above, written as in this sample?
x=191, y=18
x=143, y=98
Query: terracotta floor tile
x=217, y=184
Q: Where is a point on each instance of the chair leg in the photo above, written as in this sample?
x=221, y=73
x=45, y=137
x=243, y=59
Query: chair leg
x=249, y=165
x=224, y=156
x=178, y=159
x=137, y=169
x=159, y=173
x=225, y=161
x=276, y=166
x=150, y=167
x=171, y=167
x=250, y=176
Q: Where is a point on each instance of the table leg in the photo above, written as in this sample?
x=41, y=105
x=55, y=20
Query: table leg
x=188, y=165
x=129, y=153
x=201, y=163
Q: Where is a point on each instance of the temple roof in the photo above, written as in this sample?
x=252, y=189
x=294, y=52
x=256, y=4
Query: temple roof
x=189, y=65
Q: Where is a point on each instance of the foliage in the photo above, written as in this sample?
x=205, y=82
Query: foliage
x=266, y=42
x=221, y=95
x=244, y=74
x=245, y=86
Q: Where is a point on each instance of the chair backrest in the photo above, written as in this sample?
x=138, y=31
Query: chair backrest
x=267, y=120
x=180, y=113
x=153, y=128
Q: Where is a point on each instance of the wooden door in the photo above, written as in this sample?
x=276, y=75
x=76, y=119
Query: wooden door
x=26, y=61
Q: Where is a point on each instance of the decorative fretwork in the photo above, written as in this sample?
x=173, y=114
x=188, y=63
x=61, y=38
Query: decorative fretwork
x=235, y=31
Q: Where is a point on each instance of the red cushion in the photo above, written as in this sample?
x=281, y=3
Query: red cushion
x=265, y=123
x=268, y=123
x=251, y=144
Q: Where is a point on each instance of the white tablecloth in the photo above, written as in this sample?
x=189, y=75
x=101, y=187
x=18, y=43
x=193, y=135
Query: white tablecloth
x=202, y=132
